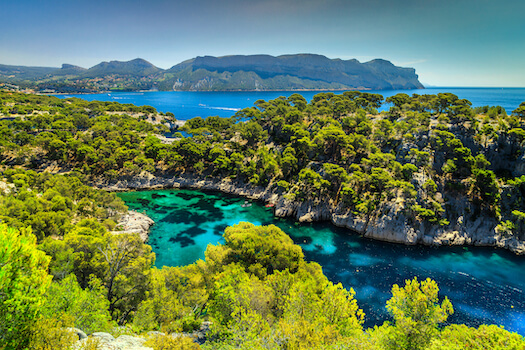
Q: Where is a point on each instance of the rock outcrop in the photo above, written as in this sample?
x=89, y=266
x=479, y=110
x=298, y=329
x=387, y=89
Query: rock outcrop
x=106, y=341
x=134, y=222
x=78, y=332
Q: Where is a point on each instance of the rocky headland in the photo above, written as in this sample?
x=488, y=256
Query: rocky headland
x=388, y=224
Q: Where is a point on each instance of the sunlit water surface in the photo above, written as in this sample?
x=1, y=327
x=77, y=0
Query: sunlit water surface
x=189, y=104
x=485, y=285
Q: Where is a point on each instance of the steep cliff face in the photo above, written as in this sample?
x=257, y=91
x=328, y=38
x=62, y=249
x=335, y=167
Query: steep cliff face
x=305, y=71
x=391, y=225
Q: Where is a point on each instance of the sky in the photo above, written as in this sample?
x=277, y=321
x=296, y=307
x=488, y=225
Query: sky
x=448, y=42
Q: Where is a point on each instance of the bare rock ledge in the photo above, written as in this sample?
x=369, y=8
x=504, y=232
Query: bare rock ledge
x=135, y=222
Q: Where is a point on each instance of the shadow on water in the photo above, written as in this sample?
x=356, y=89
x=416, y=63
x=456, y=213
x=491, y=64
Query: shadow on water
x=219, y=229
x=143, y=201
x=182, y=240
x=485, y=285
x=189, y=196
x=184, y=216
x=193, y=232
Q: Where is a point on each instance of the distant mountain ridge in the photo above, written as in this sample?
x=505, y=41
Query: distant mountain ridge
x=227, y=73
x=136, y=67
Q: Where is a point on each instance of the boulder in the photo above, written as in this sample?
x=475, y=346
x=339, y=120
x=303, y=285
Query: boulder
x=81, y=335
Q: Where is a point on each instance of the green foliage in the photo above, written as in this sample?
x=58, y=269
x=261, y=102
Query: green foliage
x=335, y=175
x=126, y=271
x=518, y=134
x=251, y=307
x=285, y=140
x=311, y=184
x=425, y=214
x=408, y=170
x=252, y=132
x=261, y=247
x=88, y=308
x=417, y=314
x=486, y=187
x=430, y=186
x=518, y=215
x=50, y=203
x=23, y=284
x=449, y=167
x=52, y=333
x=520, y=111
x=420, y=158
x=302, y=310
x=174, y=301
x=240, y=298
x=399, y=100
x=121, y=262
x=168, y=342
x=457, y=337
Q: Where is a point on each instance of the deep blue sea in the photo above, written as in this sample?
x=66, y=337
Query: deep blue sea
x=485, y=285
x=186, y=105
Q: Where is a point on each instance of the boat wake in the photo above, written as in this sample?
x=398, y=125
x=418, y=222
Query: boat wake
x=224, y=108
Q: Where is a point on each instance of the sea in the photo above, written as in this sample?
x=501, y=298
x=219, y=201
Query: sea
x=188, y=104
x=485, y=285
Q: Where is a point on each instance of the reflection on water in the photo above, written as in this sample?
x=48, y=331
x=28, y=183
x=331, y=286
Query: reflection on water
x=485, y=285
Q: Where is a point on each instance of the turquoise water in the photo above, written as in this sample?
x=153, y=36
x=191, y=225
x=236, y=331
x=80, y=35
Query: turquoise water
x=186, y=105
x=485, y=285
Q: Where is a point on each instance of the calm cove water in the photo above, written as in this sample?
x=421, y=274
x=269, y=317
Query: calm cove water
x=186, y=105
x=485, y=285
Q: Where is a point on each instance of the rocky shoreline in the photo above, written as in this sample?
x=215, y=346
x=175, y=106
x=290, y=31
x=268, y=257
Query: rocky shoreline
x=390, y=225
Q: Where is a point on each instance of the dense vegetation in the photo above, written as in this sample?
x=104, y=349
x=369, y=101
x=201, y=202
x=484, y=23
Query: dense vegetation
x=67, y=269
x=434, y=161
x=256, y=289
x=53, y=205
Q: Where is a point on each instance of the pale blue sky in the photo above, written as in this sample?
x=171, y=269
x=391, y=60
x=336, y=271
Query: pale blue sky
x=448, y=42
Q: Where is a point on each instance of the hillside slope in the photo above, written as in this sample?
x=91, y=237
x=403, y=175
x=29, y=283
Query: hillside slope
x=303, y=71
x=228, y=73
